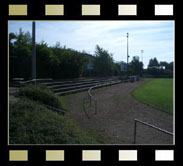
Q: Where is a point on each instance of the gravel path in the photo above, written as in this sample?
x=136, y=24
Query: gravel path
x=117, y=110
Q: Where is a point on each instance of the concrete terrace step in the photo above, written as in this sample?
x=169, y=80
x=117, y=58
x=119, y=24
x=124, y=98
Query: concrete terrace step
x=55, y=87
x=64, y=87
x=72, y=91
x=86, y=88
x=59, y=82
x=78, y=86
x=71, y=84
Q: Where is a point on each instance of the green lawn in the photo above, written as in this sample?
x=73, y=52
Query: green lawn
x=157, y=93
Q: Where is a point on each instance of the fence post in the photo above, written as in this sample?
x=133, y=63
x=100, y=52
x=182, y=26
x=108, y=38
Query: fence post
x=135, y=126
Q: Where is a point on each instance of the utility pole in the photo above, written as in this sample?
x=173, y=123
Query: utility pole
x=127, y=55
x=34, y=51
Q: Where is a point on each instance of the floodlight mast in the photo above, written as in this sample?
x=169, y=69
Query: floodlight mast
x=34, y=51
x=142, y=51
x=127, y=55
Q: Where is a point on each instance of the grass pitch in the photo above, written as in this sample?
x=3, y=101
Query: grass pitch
x=157, y=93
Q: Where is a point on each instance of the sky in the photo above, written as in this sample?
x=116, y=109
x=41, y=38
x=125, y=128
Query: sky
x=156, y=38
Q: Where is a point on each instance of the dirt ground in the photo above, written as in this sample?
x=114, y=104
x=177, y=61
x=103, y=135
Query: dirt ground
x=116, y=111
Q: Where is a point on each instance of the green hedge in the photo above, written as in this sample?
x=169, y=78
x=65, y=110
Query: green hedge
x=31, y=123
x=42, y=94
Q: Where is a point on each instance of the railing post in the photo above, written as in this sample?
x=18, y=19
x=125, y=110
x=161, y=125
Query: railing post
x=149, y=125
x=85, y=109
x=90, y=101
x=135, y=126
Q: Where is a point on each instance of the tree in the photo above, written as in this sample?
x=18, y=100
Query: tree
x=20, y=54
x=72, y=63
x=56, y=62
x=155, y=71
x=53, y=62
x=135, y=67
x=170, y=66
x=44, y=61
x=153, y=63
x=163, y=63
x=103, y=63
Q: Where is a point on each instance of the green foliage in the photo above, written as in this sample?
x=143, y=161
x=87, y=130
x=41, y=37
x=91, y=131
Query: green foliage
x=31, y=123
x=44, y=58
x=169, y=66
x=59, y=62
x=72, y=63
x=20, y=55
x=135, y=67
x=160, y=73
x=54, y=62
x=153, y=62
x=157, y=93
x=155, y=70
x=104, y=64
x=42, y=94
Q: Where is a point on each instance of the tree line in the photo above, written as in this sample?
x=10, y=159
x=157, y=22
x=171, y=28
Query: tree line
x=160, y=69
x=56, y=61
x=59, y=62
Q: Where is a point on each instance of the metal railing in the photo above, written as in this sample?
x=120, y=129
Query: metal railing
x=84, y=108
x=91, y=97
x=58, y=110
x=149, y=125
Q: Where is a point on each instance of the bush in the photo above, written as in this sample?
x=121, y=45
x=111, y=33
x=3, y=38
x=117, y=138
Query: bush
x=42, y=94
x=31, y=123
